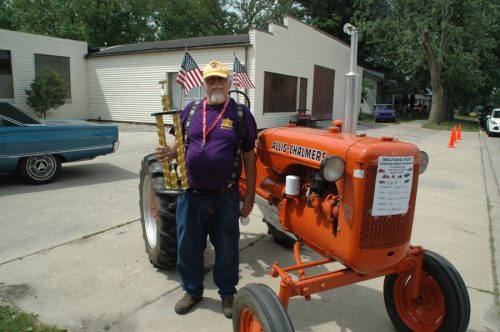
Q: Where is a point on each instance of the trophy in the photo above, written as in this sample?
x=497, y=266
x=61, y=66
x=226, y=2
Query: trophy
x=174, y=172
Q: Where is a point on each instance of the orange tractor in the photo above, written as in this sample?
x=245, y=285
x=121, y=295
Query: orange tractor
x=349, y=197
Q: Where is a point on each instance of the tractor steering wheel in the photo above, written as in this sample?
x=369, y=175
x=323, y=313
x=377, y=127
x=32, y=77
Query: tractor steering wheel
x=241, y=93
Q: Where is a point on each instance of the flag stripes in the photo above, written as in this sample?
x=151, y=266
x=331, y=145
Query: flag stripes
x=189, y=75
x=240, y=76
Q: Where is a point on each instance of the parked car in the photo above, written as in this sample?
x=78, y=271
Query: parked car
x=493, y=122
x=35, y=149
x=483, y=116
x=384, y=112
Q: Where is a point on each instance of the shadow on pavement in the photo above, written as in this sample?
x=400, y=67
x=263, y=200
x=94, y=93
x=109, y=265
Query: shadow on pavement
x=70, y=176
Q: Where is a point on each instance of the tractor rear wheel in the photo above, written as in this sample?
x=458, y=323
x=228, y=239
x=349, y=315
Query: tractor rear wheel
x=443, y=303
x=280, y=237
x=157, y=215
x=257, y=308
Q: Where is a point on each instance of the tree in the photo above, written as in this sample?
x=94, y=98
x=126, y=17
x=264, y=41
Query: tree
x=257, y=13
x=47, y=91
x=329, y=15
x=5, y=15
x=449, y=39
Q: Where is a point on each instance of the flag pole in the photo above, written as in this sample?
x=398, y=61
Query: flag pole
x=182, y=99
x=183, y=89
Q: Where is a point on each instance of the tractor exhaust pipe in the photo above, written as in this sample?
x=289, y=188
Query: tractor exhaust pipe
x=352, y=86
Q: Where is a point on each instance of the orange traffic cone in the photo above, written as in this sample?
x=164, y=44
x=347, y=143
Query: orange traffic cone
x=451, y=144
x=459, y=132
x=456, y=131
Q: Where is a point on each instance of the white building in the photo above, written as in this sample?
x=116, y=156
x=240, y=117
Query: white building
x=22, y=57
x=293, y=66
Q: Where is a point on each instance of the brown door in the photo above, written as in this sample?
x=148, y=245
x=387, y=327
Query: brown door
x=302, y=94
x=322, y=104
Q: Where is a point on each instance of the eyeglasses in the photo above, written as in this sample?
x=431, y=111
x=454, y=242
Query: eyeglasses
x=212, y=79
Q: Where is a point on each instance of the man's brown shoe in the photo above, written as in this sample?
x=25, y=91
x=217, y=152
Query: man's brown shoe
x=185, y=304
x=227, y=306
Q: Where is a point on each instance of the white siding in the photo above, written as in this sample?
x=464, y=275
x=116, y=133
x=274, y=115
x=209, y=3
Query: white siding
x=371, y=97
x=294, y=49
x=125, y=87
x=23, y=47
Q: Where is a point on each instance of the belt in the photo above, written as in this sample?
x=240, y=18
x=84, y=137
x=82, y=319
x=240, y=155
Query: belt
x=209, y=192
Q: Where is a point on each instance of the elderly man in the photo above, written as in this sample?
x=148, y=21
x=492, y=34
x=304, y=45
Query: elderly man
x=211, y=205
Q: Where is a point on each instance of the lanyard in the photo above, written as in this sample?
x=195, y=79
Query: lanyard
x=212, y=126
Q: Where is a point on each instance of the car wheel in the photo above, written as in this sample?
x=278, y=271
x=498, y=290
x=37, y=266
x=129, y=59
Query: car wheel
x=158, y=211
x=39, y=169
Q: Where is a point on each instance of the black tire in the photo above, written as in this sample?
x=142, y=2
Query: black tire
x=39, y=169
x=280, y=237
x=258, y=304
x=158, y=209
x=444, y=299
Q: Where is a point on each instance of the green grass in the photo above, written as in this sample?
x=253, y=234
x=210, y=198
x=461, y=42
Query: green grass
x=468, y=124
x=365, y=117
x=14, y=320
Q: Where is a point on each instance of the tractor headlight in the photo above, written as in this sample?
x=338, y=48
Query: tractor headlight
x=332, y=168
x=424, y=161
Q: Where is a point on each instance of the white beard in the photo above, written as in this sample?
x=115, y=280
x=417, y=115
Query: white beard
x=217, y=98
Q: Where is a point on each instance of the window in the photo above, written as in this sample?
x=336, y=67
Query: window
x=58, y=64
x=280, y=93
x=6, y=84
x=194, y=94
x=6, y=123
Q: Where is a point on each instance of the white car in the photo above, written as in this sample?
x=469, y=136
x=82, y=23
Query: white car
x=493, y=127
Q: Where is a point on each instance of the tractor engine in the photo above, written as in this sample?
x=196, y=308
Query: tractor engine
x=348, y=197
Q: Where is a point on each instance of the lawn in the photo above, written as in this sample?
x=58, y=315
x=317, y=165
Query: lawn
x=468, y=123
x=14, y=320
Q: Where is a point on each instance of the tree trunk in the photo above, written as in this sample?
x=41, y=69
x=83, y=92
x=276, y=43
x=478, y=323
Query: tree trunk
x=437, y=86
x=437, y=103
x=449, y=113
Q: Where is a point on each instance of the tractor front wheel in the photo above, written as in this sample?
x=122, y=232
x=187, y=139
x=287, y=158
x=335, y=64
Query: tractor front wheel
x=443, y=302
x=257, y=308
x=157, y=214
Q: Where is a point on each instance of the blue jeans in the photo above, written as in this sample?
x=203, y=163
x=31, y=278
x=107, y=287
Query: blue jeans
x=215, y=215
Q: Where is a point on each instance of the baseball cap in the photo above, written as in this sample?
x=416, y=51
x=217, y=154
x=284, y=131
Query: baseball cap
x=215, y=68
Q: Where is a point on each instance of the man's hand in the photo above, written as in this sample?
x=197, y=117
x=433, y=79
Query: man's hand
x=165, y=153
x=247, y=205
x=249, y=161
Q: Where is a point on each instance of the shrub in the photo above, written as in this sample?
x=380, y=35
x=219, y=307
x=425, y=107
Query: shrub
x=48, y=91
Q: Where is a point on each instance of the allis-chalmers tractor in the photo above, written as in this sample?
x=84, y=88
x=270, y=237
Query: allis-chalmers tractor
x=351, y=198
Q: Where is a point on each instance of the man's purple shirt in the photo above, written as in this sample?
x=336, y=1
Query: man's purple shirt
x=210, y=168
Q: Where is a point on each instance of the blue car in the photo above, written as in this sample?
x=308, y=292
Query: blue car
x=384, y=112
x=36, y=149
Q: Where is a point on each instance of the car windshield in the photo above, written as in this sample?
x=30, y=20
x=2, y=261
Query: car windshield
x=12, y=114
x=496, y=113
x=384, y=107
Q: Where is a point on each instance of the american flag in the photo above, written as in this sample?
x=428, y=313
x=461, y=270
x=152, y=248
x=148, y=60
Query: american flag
x=190, y=75
x=241, y=78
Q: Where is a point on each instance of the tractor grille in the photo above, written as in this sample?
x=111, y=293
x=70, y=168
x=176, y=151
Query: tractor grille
x=384, y=231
